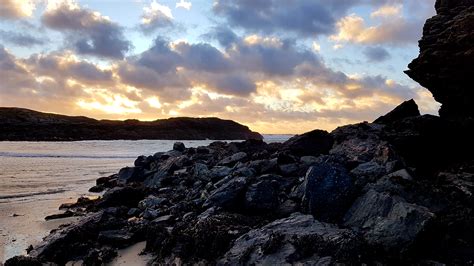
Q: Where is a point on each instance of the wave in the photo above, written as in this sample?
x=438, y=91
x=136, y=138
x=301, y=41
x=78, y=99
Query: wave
x=45, y=155
x=24, y=195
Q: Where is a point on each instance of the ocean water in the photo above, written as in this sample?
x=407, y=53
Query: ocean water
x=36, y=177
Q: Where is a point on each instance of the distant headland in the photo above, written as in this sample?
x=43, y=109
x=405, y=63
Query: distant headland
x=19, y=124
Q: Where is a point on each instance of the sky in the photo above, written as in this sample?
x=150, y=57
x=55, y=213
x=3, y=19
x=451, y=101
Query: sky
x=278, y=66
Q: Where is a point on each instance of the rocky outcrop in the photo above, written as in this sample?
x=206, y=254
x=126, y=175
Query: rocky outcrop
x=445, y=64
x=406, y=109
x=360, y=198
x=27, y=125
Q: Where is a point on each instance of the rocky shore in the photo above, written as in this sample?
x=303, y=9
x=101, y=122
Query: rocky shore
x=395, y=191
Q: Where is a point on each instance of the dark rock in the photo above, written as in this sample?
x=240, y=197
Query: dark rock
x=361, y=143
x=151, y=202
x=313, y=143
x=23, y=261
x=262, y=197
x=129, y=175
x=444, y=65
x=229, y=195
x=289, y=169
x=179, y=146
x=97, y=188
x=65, y=214
x=116, y=238
x=121, y=196
x=202, y=240
x=99, y=256
x=285, y=158
x=406, y=109
x=328, y=191
x=219, y=172
x=387, y=221
x=79, y=238
x=233, y=159
x=298, y=239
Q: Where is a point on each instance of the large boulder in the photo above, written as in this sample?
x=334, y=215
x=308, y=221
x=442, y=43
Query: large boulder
x=445, y=64
x=262, y=197
x=313, y=143
x=229, y=195
x=298, y=239
x=406, y=109
x=328, y=191
x=387, y=221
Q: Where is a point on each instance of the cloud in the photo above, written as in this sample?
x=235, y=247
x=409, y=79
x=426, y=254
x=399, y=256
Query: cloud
x=88, y=32
x=376, y=54
x=184, y=4
x=396, y=31
x=156, y=16
x=21, y=39
x=387, y=11
x=15, y=9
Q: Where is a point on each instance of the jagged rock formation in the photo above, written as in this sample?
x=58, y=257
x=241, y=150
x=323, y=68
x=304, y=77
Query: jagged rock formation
x=20, y=124
x=445, y=65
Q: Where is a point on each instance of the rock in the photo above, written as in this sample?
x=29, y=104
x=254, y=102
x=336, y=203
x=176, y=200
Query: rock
x=150, y=214
x=406, y=109
x=387, y=221
x=285, y=158
x=313, y=143
x=133, y=212
x=262, y=197
x=79, y=238
x=165, y=219
x=179, y=146
x=289, y=169
x=201, y=171
x=361, y=143
x=403, y=173
x=328, y=191
x=233, y=159
x=23, y=261
x=121, y=196
x=99, y=256
x=228, y=195
x=116, y=238
x=65, y=214
x=308, y=160
x=368, y=172
x=164, y=170
x=151, y=202
x=203, y=240
x=444, y=65
x=219, y=172
x=129, y=175
x=293, y=240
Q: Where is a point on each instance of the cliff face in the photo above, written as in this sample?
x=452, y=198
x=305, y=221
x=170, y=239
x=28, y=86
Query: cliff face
x=19, y=124
x=445, y=65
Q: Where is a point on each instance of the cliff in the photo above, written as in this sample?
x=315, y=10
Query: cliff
x=19, y=124
x=445, y=65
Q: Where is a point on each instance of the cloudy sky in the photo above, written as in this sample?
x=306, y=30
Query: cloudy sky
x=277, y=66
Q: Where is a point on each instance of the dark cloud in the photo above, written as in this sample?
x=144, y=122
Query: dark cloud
x=21, y=39
x=59, y=66
x=87, y=32
x=307, y=18
x=376, y=54
x=14, y=77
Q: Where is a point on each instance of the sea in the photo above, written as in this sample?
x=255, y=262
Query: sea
x=36, y=177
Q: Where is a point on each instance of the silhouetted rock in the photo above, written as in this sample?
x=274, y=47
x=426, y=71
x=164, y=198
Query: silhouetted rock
x=444, y=65
x=314, y=143
x=406, y=109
